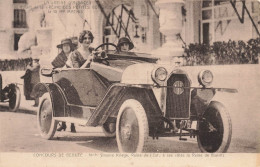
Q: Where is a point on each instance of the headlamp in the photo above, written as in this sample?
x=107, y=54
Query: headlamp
x=205, y=78
x=159, y=75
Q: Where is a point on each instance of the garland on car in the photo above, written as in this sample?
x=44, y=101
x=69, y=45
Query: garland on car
x=231, y=52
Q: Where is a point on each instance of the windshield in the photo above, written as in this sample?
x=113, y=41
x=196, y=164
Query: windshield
x=131, y=56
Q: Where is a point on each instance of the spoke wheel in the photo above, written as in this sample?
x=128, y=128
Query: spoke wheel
x=131, y=127
x=47, y=125
x=14, y=98
x=215, y=129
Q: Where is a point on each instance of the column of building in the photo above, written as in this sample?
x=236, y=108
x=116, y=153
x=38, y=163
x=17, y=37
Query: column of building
x=170, y=25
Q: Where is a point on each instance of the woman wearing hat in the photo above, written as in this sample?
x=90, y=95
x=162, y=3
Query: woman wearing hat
x=124, y=44
x=82, y=57
x=60, y=61
x=67, y=47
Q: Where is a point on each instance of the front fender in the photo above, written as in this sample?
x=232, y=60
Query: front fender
x=117, y=94
x=227, y=99
x=201, y=98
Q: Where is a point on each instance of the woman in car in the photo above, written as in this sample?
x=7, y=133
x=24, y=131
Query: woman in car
x=124, y=44
x=66, y=47
x=60, y=60
x=82, y=57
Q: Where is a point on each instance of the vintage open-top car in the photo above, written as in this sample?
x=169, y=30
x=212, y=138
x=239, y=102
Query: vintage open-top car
x=135, y=99
x=10, y=93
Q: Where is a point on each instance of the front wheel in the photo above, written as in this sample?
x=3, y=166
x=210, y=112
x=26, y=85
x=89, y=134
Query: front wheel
x=215, y=129
x=14, y=98
x=131, y=127
x=47, y=125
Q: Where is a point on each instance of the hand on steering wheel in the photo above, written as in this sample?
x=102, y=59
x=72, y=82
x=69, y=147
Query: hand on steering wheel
x=102, y=60
x=106, y=44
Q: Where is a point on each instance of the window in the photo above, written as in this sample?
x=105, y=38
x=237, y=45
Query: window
x=16, y=40
x=220, y=2
x=206, y=3
x=19, y=18
x=19, y=1
x=219, y=22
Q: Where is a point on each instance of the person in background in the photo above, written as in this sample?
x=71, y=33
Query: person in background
x=27, y=82
x=59, y=61
x=31, y=78
x=82, y=57
x=124, y=44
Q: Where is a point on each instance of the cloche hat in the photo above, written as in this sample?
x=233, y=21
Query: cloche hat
x=66, y=41
x=125, y=40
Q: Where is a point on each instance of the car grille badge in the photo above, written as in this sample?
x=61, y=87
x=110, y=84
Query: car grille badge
x=178, y=87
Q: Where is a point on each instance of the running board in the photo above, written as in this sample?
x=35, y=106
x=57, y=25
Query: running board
x=79, y=121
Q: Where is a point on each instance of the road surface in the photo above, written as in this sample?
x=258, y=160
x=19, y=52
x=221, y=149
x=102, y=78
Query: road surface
x=19, y=134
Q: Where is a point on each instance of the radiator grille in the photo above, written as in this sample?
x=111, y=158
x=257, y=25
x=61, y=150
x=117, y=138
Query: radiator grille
x=178, y=99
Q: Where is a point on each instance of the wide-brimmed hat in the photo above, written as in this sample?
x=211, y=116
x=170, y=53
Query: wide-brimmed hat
x=125, y=40
x=66, y=41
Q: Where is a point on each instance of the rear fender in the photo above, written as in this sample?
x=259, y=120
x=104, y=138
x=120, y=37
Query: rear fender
x=108, y=109
x=58, y=99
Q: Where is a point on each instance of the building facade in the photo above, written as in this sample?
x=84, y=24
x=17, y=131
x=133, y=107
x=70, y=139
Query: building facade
x=13, y=24
x=150, y=24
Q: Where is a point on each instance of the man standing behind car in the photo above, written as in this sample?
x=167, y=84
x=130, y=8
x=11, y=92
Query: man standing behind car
x=31, y=78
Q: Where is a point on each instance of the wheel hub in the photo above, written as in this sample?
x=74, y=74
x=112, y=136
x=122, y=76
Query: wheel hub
x=44, y=115
x=126, y=132
x=211, y=128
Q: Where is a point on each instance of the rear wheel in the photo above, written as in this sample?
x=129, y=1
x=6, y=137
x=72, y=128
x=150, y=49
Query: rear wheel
x=14, y=98
x=47, y=125
x=215, y=129
x=132, y=127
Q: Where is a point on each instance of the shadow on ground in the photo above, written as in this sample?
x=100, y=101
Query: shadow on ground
x=163, y=145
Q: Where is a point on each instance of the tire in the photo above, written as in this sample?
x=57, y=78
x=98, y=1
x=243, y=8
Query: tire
x=218, y=138
x=132, y=127
x=45, y=122
x=107, y=131
x=14, y=98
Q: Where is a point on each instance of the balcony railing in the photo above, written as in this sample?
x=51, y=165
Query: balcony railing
x=19, y=1
x=19, y=24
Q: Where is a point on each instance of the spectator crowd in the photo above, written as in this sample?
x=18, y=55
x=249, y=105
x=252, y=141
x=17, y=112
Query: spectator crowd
x=220, y=53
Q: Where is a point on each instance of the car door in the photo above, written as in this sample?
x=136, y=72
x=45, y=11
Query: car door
x=82, y=88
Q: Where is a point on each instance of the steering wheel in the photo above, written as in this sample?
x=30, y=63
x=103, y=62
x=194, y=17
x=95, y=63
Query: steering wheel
x=103, y=60
x=103, y=44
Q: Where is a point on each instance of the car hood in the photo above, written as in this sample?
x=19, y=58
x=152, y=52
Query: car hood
x=118, y=63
